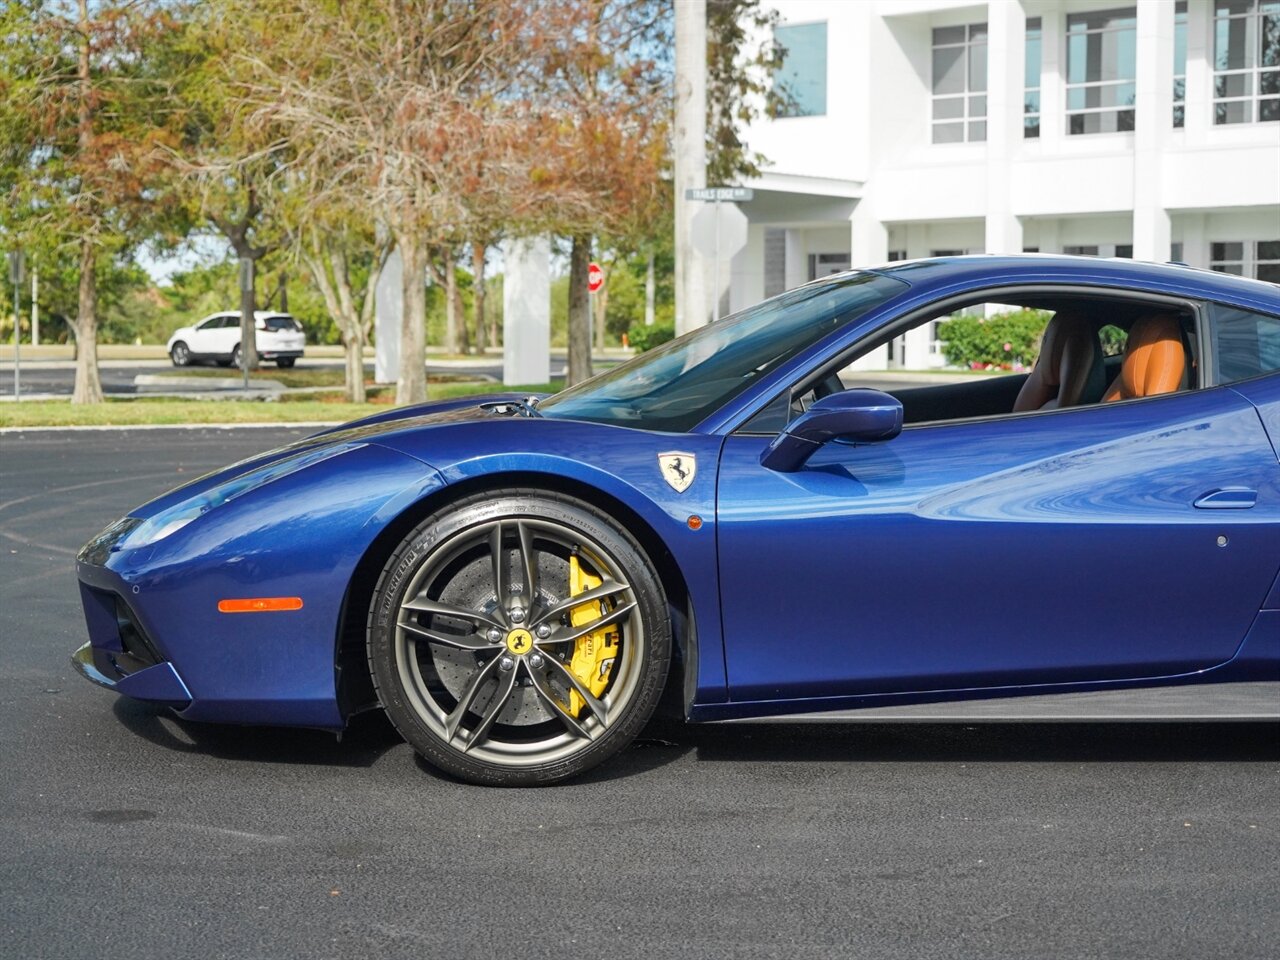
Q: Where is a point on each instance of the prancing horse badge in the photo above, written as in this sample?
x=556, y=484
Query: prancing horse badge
x=678, y=469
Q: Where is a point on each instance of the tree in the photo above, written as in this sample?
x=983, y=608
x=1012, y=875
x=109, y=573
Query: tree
x=231, y=172
x=607, y=69
x=742, y=59
x=418, y=107
x=82, y=144
x=328, y=255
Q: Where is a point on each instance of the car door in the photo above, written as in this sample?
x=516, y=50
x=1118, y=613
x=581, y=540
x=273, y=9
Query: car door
x=204, y=336
x=1074, y=546
x=226, y=334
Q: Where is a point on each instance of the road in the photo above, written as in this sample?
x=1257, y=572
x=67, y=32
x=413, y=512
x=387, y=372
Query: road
x=57, y=378
x=130, y=834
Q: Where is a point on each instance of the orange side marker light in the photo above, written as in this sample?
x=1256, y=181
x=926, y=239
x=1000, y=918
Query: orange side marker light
x=259, y=604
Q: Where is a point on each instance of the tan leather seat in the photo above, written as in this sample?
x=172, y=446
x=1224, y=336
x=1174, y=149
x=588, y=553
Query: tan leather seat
x=1069, y=369
x=1155, y=361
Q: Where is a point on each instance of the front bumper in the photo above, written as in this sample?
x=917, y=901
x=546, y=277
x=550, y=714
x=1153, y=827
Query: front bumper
x=159, y=683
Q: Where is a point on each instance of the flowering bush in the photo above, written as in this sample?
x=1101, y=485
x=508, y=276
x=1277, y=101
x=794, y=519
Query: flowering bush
x=1004, y=341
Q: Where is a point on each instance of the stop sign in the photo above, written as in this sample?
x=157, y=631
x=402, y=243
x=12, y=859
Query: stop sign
x=595, y=277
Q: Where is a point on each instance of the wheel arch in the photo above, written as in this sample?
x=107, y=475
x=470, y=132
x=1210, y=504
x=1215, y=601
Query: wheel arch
x=354, y=684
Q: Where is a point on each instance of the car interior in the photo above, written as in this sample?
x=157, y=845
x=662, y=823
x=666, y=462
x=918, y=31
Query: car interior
x=1092, y=350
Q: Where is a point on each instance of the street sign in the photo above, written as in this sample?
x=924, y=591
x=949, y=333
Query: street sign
x=731, y=194
x=17, y=267
x=719, y=230
x=595, y=277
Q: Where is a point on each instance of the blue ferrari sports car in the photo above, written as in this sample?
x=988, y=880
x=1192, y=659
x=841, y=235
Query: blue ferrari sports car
x=740, y=519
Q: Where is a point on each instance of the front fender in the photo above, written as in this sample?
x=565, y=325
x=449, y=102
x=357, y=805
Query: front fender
x=622, y=465
x=301, y=535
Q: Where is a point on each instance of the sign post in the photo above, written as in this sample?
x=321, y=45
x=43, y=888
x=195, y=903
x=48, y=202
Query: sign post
x=724, y=232
x=17, y=273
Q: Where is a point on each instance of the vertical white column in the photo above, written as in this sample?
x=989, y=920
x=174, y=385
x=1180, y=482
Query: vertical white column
x=1053, y=79
x=690, y=159
x=868, y=237
x=796, y=264
x=1050, y=241
x=747, y=285
x=1006, y=62
x=1195, y=240
x=526, y=311
x=917, y=241
x=1199, y=88
x=1152, y=123
x=388, y=309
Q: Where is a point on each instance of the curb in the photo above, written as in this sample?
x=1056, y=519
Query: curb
x=175, y=426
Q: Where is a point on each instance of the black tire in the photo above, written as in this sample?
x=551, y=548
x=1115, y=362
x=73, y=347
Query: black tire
x=495, y=703
x=285, y=362
x=235, y=357
x=180, y=354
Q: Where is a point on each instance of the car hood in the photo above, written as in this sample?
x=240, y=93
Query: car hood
x=331, y=442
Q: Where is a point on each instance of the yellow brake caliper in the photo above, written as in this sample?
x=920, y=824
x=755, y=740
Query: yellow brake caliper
x=595, y=652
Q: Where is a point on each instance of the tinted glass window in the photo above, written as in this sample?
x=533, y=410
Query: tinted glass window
x=679, y=384
x=281, y=323
x=803, y=74
x=1246, y=344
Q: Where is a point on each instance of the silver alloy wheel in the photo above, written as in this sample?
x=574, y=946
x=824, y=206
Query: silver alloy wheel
x=483, y=641
x=180, y=355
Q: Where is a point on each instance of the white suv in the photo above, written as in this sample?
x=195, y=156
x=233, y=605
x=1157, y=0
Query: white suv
x=279, y=337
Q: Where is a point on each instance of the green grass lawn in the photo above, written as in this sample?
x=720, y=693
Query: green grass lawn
x=329, y=408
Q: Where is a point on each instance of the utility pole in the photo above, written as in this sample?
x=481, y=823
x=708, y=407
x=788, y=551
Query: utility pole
x=691, y=158
x=17, y=273
x=35, y=310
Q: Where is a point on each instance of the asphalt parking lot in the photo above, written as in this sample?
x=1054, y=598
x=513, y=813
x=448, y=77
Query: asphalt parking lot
x=130, y=834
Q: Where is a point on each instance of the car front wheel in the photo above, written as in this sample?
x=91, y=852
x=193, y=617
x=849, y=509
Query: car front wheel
x=519, y=639
x=180, y=354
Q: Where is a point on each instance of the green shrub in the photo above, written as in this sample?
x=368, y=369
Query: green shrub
x=1002, y=341
x=646, y=338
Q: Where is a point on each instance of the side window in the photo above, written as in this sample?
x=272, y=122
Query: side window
x=210, y=324
x=1245, y=344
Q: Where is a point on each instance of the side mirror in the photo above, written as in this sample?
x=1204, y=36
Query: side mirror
x=859, y=414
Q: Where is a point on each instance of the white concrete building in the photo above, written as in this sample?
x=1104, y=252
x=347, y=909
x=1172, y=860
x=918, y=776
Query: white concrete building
x=1148, y=129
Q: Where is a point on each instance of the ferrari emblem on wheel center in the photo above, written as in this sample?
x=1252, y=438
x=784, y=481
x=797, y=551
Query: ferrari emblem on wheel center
x=678, y=469
x=519, y=641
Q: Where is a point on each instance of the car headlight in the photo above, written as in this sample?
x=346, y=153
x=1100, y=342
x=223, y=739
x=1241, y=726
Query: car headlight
x=172, y=519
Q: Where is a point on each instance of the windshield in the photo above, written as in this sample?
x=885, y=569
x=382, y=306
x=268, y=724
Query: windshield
x=677, y=385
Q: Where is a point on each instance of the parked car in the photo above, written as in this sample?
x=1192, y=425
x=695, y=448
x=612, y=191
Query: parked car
x=217, y=338
x=753, y=510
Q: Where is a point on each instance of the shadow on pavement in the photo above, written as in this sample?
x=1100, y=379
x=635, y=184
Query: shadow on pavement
x=1025, y=742
x=370, y=735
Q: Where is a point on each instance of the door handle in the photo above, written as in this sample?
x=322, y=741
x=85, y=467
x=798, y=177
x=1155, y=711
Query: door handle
x=1228, y=498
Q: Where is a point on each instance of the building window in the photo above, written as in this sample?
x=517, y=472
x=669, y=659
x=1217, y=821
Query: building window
x=1102, y=50
x=1122, y=250
x=960, y=83
x=1031, y=82
x=1260, y=259
x=802, y=78
x=1180, y=64
x=826, y=264
x=896, y=255
x=1246, y=61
